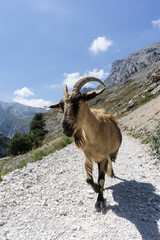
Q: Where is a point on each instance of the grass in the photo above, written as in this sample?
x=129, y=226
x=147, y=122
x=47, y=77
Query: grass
x=155, y=142
x=145, y=139
x=152, y=139
x=134, y=134
x=49, y=138
x=34, y=156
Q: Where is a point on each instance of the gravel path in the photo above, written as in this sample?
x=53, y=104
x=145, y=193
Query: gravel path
x=50, y=199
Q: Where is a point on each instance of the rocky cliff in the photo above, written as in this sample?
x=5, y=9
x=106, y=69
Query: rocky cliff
x=134, y=62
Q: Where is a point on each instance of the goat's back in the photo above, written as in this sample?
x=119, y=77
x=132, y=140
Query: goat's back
x=103, y=115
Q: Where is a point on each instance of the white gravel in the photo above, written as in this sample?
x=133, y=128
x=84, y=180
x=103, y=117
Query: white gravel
x=50, y=199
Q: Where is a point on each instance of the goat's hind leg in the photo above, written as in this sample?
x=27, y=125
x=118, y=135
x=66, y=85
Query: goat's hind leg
x=89, y=177
x=100, y=203
x=110, y=171
x=111, y=159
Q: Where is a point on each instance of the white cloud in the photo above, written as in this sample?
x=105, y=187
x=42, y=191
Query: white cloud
x=72, y=78
x=31, y=102
x=101, y=44
x=24, y=92
x=101, y=74
x=156, y=23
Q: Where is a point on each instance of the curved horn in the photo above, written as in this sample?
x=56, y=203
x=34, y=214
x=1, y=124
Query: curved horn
x=65, y=89
x=81, y=82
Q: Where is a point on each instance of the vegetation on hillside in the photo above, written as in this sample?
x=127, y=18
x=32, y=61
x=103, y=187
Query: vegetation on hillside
x=155, y=142
x=18, y=162
x=19, y=144
x=22, y=143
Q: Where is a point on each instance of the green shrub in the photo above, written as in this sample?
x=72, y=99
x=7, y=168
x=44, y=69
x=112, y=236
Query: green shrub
x=155, y=141
x=37, y=129
x=20, y=143
x=37, y=122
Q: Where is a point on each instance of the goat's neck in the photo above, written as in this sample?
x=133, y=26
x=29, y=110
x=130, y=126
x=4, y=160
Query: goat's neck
x=91, y=125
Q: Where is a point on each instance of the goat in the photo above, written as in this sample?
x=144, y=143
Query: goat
x=95, y=132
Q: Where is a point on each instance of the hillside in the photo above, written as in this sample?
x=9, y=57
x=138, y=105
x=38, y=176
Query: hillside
x=144, y=119
x=15, y=117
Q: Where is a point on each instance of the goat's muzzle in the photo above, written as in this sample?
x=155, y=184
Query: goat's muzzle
x=68, y=129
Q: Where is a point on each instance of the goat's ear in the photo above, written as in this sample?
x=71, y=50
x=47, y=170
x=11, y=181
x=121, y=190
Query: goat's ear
x=93, y=94
x=55, y=105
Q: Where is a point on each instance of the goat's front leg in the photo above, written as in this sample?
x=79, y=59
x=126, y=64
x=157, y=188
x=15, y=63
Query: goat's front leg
x=100, y=204
x=89, y=177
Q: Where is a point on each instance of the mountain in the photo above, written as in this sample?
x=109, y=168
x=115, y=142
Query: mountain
x=135, y=62
x=85, y=90
x=15, y=117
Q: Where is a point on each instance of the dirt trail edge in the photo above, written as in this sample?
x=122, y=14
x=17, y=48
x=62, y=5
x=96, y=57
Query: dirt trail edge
x=51, y=200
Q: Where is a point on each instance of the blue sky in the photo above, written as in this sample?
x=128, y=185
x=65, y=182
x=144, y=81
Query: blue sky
x=46, y=43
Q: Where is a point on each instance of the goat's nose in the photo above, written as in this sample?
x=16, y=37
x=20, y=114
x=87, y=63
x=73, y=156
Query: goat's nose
x=65, y=123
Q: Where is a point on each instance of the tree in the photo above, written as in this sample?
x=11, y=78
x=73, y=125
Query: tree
x=37, y=129
x=20, y=143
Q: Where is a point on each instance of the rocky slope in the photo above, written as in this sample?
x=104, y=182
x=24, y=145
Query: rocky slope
x=51, y=200
x=134, y=62
x=144, y=119
x=15, y=117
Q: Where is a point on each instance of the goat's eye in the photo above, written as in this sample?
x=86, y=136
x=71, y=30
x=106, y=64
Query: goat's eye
x=80, y=101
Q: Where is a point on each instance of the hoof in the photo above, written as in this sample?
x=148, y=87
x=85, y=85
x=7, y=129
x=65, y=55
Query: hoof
x=100, y=206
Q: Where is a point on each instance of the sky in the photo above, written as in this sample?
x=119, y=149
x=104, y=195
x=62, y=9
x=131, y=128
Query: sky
x=45, y=44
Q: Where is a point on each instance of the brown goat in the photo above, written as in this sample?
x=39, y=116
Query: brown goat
x=95, y=132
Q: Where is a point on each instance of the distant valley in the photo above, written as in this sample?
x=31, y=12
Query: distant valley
x=15, y=117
